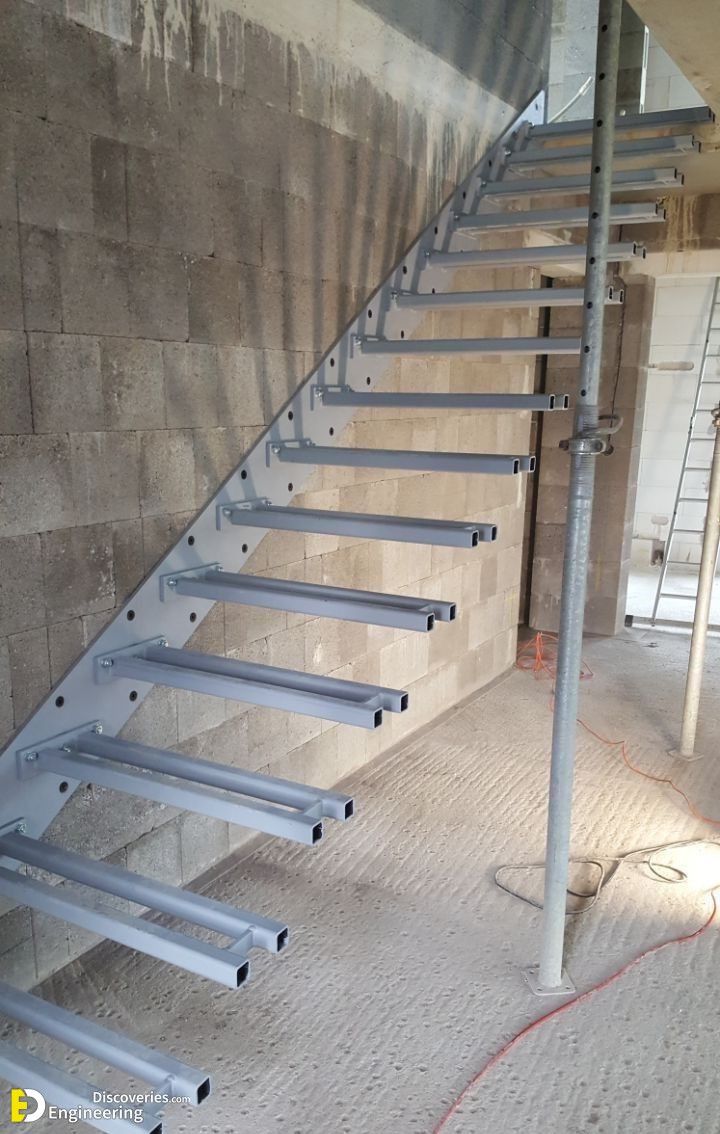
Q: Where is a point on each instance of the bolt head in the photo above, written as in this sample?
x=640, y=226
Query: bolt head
x=98, y=728
x=172, y=582
x=30, y=756
x=21, y=828
x=227, y=511
x=106, y=663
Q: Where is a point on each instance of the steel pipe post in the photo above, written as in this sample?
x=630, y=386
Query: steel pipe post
x=583, y=447
x=708, y=561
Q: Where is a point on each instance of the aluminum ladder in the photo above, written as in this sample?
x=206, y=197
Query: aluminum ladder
x=65, y=744
x=693, y=471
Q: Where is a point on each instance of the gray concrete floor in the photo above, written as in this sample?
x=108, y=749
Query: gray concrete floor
x=404, y=972
x=642, y=588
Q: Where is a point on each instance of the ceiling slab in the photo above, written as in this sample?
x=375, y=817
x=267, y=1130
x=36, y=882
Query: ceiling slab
x=690, y=33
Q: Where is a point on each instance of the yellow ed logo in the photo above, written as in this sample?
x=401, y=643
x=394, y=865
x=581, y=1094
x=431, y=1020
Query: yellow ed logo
x=20, y=1101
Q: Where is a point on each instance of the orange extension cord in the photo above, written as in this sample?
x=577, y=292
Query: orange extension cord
x=539, y=657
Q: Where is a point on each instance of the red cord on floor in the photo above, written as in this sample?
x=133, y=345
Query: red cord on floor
x=564, y=1008
x=539, y=657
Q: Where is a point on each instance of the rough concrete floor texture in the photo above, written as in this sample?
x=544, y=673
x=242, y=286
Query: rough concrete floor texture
x=404, y=971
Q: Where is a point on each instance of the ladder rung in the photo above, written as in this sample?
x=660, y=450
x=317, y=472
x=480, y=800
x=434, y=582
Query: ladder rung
x=330, y=698
x=69, y=1091
x=358, y=525
x=688, y=531
x=410, y=459
x=190, y=953
x=345, y=396
x=653, y=120
x=645, y=147
x=558, y=218
x=401, y=611
x=159, y=1070
x=697, y=468
x=435, y=348
x=532, y=297
x=692, y=499
x=676, y=594
x=512, y=257
x=629, y=180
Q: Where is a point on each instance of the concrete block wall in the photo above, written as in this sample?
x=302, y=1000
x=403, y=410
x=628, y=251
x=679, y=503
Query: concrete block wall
x=194, y=200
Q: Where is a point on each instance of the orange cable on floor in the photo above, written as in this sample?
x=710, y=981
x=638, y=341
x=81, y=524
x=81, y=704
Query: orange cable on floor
x=539, y=657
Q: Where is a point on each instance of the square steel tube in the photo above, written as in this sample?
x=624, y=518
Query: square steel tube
x=434, y=348
x=328, y=698
x=203, y=801
x=159, y=896
x=287, y=793
x=573, y=217
x=512, y=257
x=161, y=1071
x=518, y=297
x=627, y=181
x=69, y=1091
x=652, y=120
x=314, y=598
x=498, y=463
x=364, y=525
x=167, y=945
x=637, y=148
x=344, y=396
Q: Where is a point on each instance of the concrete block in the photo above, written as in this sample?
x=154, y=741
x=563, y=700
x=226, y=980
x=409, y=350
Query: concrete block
x=40, y=270
x=6, y=703
x=203, y=842
x=65, y=644
x=15, y=928
x=282, y=373
x=237, y=220
x=207, y=125
x=191, y=384
x=132, y=383
x=99, y=492
x=154, y=722
x=107, y=162
x=197, y=713
x=214, y=301
x=8, y=191
x=94, y=283
x=157, y=854
x=108, y=17
x=168, y=202
x=167, y=472
x=81, y=69
x=149, y=94
x=15, y=383
x=217, y=453
x=22, y=86
x=261, y=134
x=160, y=532
x=78, y=571
x=312, y=89
x=300, y=237
x=11, y=312
x=51, y=943
x=37, y=492
x=262, y=316
x=267, y=75
x=240, y=385
x=29, y=670
x=20, y=584
x=218, y=54
x=157, y=285
x=303, y=161
x=127, y=557
x=244, y=624
x=65, y=382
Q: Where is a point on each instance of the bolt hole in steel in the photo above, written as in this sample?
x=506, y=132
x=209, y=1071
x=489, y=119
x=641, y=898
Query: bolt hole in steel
x=583, y=393
x=193, y=616
x=405, y=269
x=63, y=786
x=402, y=334
x=290, y=486
x=368, y=380
x=242, y=974
x=589, y=304
x=244, y=548
x=59, y=702
x=332, y=361
x=130, y=615
x=370, y=314
x=586, y=349
x=331, y=431
x=291, y=415
x=243, y=475
x=133, y=695
x=191, y=540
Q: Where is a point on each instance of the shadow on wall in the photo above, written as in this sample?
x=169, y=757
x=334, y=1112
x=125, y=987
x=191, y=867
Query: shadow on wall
x=192, y=208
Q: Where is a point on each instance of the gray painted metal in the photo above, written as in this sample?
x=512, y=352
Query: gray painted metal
x=343, y=603
x=359, y=525
x=166, y=1074
x=246, y=930
x=69, y=1092
x=513, y=257
x=221, y=965
x=209, y=538
x=343, y=395
x=286, y=793
x=638, y=148
x=629, y=180
x=574, y=217
x=301, y=454
x=653, y=120
x=348, y=702
x=583, y=451
x=437, y=348
x=530, y=297
x=204, y=801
